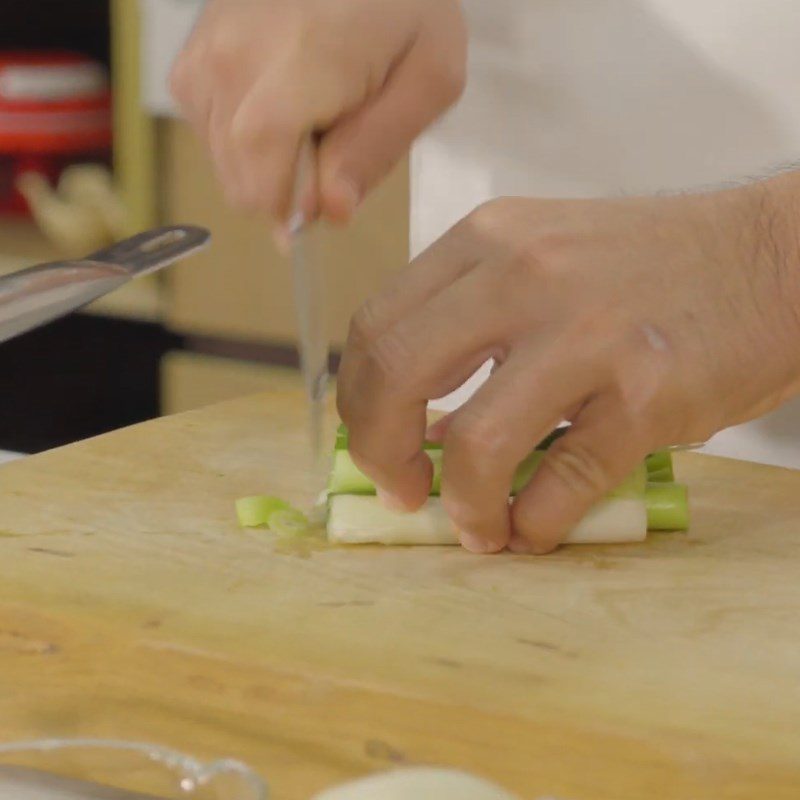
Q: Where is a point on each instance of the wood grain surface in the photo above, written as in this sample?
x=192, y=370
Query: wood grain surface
x=132, y=606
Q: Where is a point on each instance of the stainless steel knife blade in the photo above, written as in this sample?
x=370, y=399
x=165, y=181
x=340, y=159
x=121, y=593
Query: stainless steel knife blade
x=40, y=294
x=309, y=292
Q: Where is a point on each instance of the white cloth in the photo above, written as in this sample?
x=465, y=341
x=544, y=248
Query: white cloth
x=589, y=98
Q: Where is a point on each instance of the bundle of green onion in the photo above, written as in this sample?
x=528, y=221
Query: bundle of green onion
x=648, y=500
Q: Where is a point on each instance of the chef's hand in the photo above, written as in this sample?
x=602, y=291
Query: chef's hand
x=645, y=322
x=367, y=75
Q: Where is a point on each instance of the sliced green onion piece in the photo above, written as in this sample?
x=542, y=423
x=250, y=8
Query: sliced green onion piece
x=659, y=467
x=256, y=510
x=665, y=475
x=667, y=506
x=289, y=522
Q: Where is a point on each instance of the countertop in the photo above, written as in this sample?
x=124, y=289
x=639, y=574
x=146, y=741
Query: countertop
x=132, y=606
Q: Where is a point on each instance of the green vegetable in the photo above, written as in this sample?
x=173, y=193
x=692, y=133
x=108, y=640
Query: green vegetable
x=659, y=467
x=347, y=478
x=255, y=511
x=289, y=522
x=272, y=512
x=361, y=519
x=648, y=499
x=667, y=506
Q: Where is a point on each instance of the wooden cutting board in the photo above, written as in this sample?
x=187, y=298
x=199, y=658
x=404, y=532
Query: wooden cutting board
x=132, y=606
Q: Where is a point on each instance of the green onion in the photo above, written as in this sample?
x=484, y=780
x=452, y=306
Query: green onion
x=255, y=511
x=289, y=522
x=648, y=499
x=272, y=512
x=347, y=478
x=667, y=506
x=362, y=519
x=659, y=467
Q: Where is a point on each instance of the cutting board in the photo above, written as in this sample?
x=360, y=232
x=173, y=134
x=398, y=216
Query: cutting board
x=132, y=606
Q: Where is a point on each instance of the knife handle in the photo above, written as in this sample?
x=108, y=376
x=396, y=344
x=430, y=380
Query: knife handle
x=149, y=251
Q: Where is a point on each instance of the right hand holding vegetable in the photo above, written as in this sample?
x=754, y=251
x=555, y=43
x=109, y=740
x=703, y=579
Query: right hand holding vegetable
x=366, y=76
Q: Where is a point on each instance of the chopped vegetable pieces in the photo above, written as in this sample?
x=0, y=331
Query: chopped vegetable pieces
x=272, y=512
x=255, y=511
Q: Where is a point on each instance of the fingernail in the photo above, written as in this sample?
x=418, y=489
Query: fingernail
x=475, y=544
x=391, y=502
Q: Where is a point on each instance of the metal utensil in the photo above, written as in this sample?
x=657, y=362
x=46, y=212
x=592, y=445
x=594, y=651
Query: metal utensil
x=40, y=294
x=309, y=293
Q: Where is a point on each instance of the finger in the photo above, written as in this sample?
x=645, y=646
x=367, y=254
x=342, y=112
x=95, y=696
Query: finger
x=387, y=430
x=603, y=446
x=362, y=148
x=193, y=97
x=389, y=375
x=238, y=182
x=437, y=268
x=267, y=132
x=496, y=429
x=438, y=430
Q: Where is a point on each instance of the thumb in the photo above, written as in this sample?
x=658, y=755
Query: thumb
x=601, y=449
x=363, y=147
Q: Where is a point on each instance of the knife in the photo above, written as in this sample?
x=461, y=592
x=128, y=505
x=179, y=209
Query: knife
x=37, y=295
x=309, y=295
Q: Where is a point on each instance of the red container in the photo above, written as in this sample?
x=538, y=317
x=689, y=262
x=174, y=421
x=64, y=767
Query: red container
x=55, y=110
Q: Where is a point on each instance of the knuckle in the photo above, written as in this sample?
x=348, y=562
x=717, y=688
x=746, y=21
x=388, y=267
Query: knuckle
x=244, y=133
x=388, y=360
x=222, y=50
x=366, y=324
x=476, y=437
x=578, y=466
x=250, y=129
x=549, y=245
x=485, y=221
x=521, y=263
x=451, y=80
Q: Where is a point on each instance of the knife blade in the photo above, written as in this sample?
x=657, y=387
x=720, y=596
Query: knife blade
x=43, y=293
x=309, y=295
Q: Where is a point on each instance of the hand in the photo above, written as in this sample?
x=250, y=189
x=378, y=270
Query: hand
x=645, y=322
x=367, y=76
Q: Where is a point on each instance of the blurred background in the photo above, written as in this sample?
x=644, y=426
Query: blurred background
x=91, y=150
x=584, y=98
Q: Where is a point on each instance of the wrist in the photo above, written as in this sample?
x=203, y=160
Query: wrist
x=780, y=221
x=776, y=203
